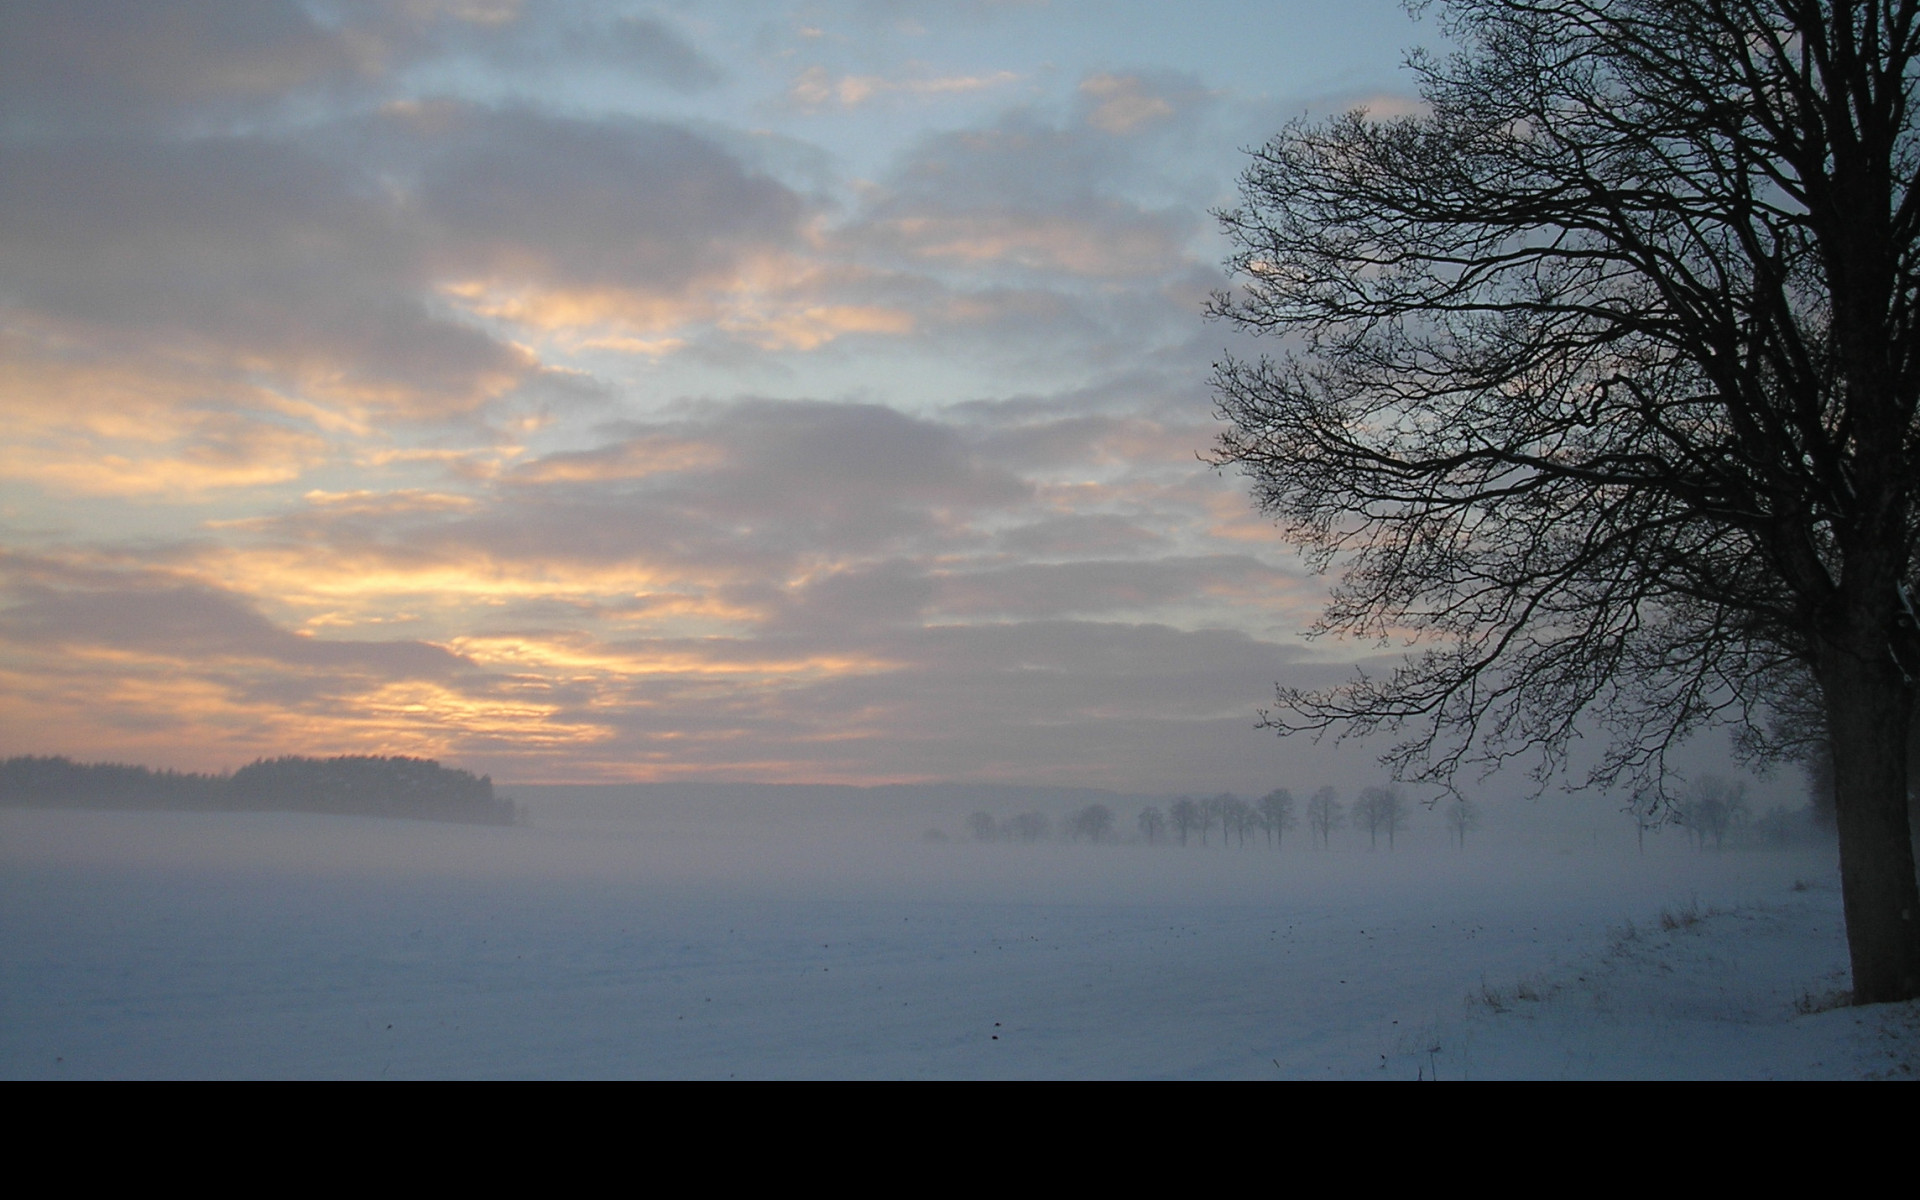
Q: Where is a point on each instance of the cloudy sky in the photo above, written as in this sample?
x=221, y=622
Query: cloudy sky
x=751, y=391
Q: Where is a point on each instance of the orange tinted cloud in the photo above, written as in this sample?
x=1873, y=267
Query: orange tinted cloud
x=95, y=426
x=775, y=304
x=1122, y=103
x=417, y=503
x=816, y=87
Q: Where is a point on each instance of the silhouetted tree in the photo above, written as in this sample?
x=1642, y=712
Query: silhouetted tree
x=1186, y=816
x=1797, y=732
x=1379, y=808
x=1607, y=386
x=1236, y=816
x=1153, y=824
x=1780, y=825
x=1209, y=817
x=1325, y=814
x=1029, y=827
x=1711, y=805
x=1094, y=822
x=1366, y=814
x=1276, y=815
x=1393, y=807
x=361, y=785
x=58, y=782
x=1462, y=815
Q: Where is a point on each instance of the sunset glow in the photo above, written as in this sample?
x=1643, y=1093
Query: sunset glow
x=778, y=392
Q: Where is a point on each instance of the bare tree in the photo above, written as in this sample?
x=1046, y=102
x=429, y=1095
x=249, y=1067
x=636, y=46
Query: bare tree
x=1186, y=816
x=983, y=827
x=1153, y=823
x=1366, y=813
x=1381, y=808
x=1094, y=822
x=1607, y=384
x=1325, y=814
x=1649, y=812
x=1394, y=807
x=1797, y=731
x=1236, y=817
x=1276, y=815
x=1029, y=827
x=1711, y=805
x=1209, y=816
x=1463, y=816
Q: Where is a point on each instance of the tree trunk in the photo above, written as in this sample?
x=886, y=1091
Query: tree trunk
x=1869, y=711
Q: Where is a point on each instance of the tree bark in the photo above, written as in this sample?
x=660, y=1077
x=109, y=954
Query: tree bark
x=1869, y=711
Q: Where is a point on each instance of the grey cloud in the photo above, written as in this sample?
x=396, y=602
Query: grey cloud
x=897, y=514
x=1053, y=242
x=620, y=202
x=1061, y=440
x=737, y=495
x=321, y=256
x=70, y=65
x=1079, y=534
x=1091, y=587
x=789, y=479
x=1151, y=386
x=572, y=36
x=1025, y=195
x=850, y=456
x=1152, y=418
x=850, y=605
x=996, y=167
x=1140, y=707
x=196, y=624
x=650, y=46
x=1129, y=389
x=254, y=247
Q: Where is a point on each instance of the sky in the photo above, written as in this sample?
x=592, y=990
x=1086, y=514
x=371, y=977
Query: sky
x=774, y=392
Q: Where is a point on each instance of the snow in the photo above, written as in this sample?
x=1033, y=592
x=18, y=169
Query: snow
x=627, y=941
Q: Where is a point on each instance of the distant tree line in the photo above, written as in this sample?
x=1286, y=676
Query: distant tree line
x=1381, y=811
x=1713, y=812
x=415, y=788
x=1027, y=826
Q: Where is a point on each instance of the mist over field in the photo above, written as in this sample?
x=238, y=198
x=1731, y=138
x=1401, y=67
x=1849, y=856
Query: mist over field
x=817, y=933
x=639, y=538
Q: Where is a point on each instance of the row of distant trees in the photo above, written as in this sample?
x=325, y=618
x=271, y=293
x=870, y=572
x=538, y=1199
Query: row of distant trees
x=1381, y=811
x=416, y=788
x=1712, y=809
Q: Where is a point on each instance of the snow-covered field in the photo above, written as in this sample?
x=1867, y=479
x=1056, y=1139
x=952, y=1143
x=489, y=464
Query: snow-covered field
x=609, y=941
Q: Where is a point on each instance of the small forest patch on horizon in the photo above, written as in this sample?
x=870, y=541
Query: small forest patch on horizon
x=358, y=785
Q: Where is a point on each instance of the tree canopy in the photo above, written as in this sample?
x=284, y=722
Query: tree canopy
x=1600, y=384
x=360, y=784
